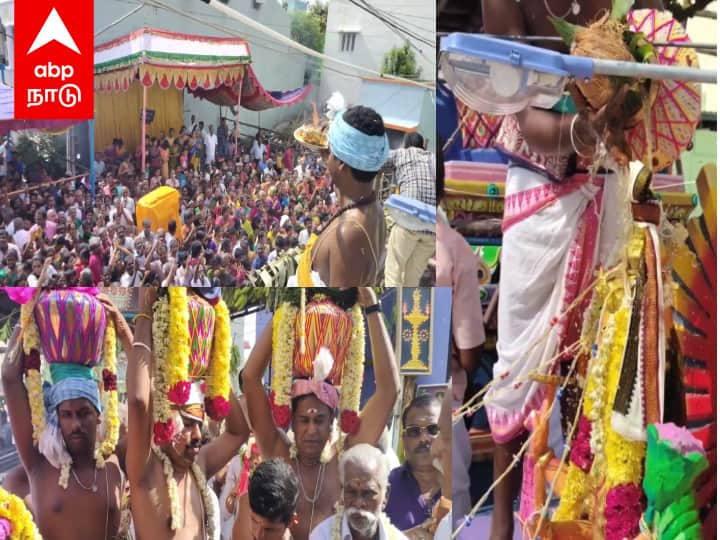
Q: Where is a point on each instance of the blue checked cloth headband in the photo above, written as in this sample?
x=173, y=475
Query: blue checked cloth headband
x=72, y=382
x=359, y=150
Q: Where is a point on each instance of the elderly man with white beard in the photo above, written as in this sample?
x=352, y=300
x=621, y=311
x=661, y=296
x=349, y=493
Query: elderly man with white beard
x=364, y=482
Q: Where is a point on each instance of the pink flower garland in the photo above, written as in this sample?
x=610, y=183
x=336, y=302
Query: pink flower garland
x=580, y=453
x=623, y=510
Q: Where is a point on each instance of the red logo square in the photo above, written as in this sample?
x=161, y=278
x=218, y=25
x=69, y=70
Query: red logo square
x=54, y=60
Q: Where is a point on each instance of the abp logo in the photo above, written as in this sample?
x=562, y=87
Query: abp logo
x=54, y=59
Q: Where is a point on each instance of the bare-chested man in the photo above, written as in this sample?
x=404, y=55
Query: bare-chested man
x=536, y=248
x=90, y=506
x=312, y=420
x=350, y=251
x=150, y=501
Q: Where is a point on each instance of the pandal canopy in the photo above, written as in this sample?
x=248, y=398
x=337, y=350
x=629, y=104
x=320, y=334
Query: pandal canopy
x=211, y=68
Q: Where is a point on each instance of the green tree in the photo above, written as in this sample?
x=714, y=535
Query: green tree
x=40, y=152
x=307, y=29
x=320, y=11
x=401, y=62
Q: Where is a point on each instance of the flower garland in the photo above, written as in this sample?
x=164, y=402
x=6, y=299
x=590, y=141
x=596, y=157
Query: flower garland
x=282, y=362
x=391, y=532
x=352, y=378
x=31, y=367
x=172, y=486
x=65, y=473
x=178, y=352
x=625, y=458
x=216, y=401
x=18, y=517
x=163, y=426
x=208, y=505
x=588, y=443
x=110, y=396
x=250, y=456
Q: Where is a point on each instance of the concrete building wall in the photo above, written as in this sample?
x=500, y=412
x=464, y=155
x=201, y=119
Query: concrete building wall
x=704, y=30
x=276, y=66
x=7, y=14
x=373, y=40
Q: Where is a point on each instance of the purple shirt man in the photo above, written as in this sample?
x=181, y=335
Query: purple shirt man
x=406, y=506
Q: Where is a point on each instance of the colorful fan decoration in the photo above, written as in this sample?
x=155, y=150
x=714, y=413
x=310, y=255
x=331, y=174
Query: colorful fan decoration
x=694, y=268
x=676, y=110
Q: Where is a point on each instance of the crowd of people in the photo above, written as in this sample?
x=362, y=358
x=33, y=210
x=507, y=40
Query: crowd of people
x=260, y=482
x=238, y=212
x=242, y=206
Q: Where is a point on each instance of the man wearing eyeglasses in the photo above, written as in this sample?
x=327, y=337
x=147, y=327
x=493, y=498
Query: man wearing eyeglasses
x=415, y=485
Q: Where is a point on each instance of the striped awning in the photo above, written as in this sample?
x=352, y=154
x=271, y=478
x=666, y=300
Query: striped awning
x=211, y=68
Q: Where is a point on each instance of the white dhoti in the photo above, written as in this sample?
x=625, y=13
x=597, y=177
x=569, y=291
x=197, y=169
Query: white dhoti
x=552, y=242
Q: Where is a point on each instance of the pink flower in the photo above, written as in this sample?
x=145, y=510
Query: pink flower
x=217, y=407
x=179, y=393
x=31, y=361
x=679, y=438
x=349, y=422
x=163, y=433
x=5, y=529
x=581, y=454
x=23, y=295
x=281, y=414
x=109, y=380
x=624, y=507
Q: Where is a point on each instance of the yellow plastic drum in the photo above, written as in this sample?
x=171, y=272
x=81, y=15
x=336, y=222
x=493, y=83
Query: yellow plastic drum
x=160, y=206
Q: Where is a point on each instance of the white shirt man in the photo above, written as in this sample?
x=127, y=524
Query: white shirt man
x=258, y=150
x=324, y=531
x=210, y=141
x=128, y=202
x=21, y=237
x=303, y=237
x=365, y=468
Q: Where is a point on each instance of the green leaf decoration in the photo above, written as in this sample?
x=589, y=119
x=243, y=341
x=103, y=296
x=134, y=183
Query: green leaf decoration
x=564, y=29
x=620, y=9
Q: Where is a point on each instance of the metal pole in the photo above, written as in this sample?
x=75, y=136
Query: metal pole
x=558, y=39
x=143, y=129
x=91, y=136
x=636, y=70
x=237, y=114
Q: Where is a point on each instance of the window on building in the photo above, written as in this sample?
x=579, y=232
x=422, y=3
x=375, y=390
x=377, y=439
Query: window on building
x=347, y=41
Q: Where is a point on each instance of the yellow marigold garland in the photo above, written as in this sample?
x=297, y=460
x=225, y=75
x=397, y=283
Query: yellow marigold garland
x=352, y=377
x=625, y=459
x=218, y=388
x=13, y=509
x=110, y=395
x=573, y=495
x=33, y=379
x=598, y=328
x=178, y=346
x=161, y=341
x=282, y=362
